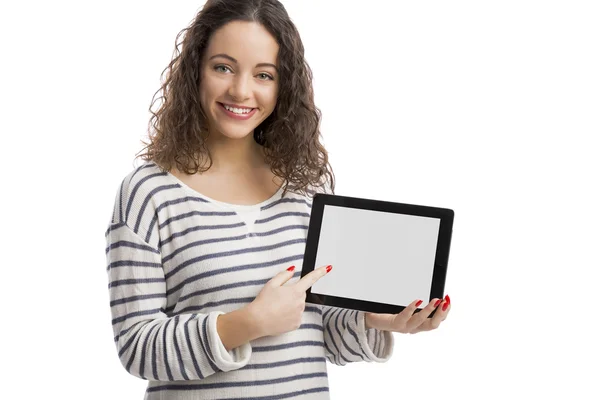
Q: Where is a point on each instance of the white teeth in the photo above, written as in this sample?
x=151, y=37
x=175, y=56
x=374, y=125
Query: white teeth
x=238, y=110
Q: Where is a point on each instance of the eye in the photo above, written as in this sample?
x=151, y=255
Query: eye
x=263, y=76
x=221, y=68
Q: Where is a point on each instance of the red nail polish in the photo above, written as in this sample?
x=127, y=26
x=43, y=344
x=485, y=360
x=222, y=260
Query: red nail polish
x=445, y=306
x=437, y=303
x=291, y=268
x=447, y=298
x=329, y=267
x=419, y=303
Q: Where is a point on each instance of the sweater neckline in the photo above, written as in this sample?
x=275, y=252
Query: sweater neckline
x=194, y=192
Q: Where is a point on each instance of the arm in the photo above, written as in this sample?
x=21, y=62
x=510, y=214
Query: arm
x=150, y=344
x=348, y=340
x=236, y=328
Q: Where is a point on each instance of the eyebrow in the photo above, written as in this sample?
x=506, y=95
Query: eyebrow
x=235, y=61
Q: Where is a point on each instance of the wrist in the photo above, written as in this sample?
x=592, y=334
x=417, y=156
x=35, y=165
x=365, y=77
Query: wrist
x=251, y=321
x=236, y=328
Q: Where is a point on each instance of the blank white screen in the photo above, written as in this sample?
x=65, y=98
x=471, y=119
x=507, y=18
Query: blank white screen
x=376, y=256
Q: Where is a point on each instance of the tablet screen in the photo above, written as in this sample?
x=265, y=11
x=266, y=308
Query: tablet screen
x=376, y=256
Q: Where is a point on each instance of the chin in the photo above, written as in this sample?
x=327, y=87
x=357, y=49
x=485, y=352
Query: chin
x=232, y=133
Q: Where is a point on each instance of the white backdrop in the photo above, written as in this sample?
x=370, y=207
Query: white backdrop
x=488, y=108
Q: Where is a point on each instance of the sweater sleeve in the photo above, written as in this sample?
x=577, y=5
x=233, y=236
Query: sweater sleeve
x=150, y=344
x=347, y=339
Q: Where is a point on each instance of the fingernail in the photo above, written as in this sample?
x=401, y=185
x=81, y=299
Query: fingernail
x=447, y=298
x=445, y=306
x=437, y=303
x=419, y=303
x=329, y=267
x=291, y=268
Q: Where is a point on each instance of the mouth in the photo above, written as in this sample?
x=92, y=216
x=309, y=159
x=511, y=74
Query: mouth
x=237, y=113
x=237, y=110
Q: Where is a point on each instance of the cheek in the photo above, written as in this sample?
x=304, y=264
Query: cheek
x=208, y=95
x=212, y=87
x=268, y=97
x=207, y=90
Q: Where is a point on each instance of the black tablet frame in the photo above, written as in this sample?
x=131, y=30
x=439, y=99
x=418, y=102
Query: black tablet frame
x=445, y=215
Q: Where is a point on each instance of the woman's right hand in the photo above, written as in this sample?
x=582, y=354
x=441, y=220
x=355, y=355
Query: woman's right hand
x=278, y=309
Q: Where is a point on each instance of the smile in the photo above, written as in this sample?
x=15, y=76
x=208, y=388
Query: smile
x=237, y=112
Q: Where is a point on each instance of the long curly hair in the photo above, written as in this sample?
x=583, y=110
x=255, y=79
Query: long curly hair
x=290, y=136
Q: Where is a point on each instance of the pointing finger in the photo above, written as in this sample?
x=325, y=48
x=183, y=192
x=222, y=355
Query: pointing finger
x=283, y=277
x=312, y=277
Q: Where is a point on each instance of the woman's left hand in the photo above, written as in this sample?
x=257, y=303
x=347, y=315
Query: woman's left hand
x=408, y=321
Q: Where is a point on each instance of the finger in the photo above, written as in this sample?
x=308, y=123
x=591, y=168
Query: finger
x=440, y=314
x=309, y=279
x=424, y=327
x=447, y=298
x=282, y=277
x=445, y=307
x=420, y=318
x=435, y=321
x=402, y=318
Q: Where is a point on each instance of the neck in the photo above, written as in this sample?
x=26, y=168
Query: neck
x=235, y=155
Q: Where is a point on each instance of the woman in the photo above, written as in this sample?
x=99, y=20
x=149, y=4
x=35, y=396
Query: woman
x=203, y=232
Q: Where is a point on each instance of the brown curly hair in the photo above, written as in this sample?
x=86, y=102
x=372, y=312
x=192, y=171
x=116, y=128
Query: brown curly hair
x=289, y=136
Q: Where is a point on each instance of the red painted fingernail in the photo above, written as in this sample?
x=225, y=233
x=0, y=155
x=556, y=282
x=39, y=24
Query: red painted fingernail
x=291, y=268
x=437, y=303
x=419, y=303
x=329, y=267
x=447, y=298
x=445, y=306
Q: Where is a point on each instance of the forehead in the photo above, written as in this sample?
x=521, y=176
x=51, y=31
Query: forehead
x=247, y=42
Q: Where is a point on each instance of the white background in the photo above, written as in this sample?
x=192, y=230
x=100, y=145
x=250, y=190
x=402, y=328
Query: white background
x=488, y=108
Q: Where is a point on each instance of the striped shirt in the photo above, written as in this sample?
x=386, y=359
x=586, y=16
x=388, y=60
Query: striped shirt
x=176, y=259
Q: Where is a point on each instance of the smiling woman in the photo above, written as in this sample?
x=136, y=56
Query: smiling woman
x=241, y=88
x=239, y=81
x=204, y=301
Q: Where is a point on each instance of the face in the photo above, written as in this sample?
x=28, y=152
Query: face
x=239, y=79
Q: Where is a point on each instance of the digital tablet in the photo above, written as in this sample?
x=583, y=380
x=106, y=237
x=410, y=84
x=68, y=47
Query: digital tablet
x=384, y=255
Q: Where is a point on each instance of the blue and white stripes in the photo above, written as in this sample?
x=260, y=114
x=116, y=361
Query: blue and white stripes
x=177, y=260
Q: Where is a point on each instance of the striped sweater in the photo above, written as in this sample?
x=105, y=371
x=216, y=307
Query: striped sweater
x=177, y=259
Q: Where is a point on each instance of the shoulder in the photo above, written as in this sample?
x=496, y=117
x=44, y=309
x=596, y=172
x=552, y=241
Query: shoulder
x=142, y=177
x=136, y=193
x=301, y=200
x=315, y=188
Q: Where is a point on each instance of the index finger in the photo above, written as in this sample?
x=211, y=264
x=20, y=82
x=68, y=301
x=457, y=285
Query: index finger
x=309, y=279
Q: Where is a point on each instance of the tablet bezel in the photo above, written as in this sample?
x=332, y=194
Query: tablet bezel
x=320, y=200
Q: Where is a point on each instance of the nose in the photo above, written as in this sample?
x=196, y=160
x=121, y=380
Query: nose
x=240, y=88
